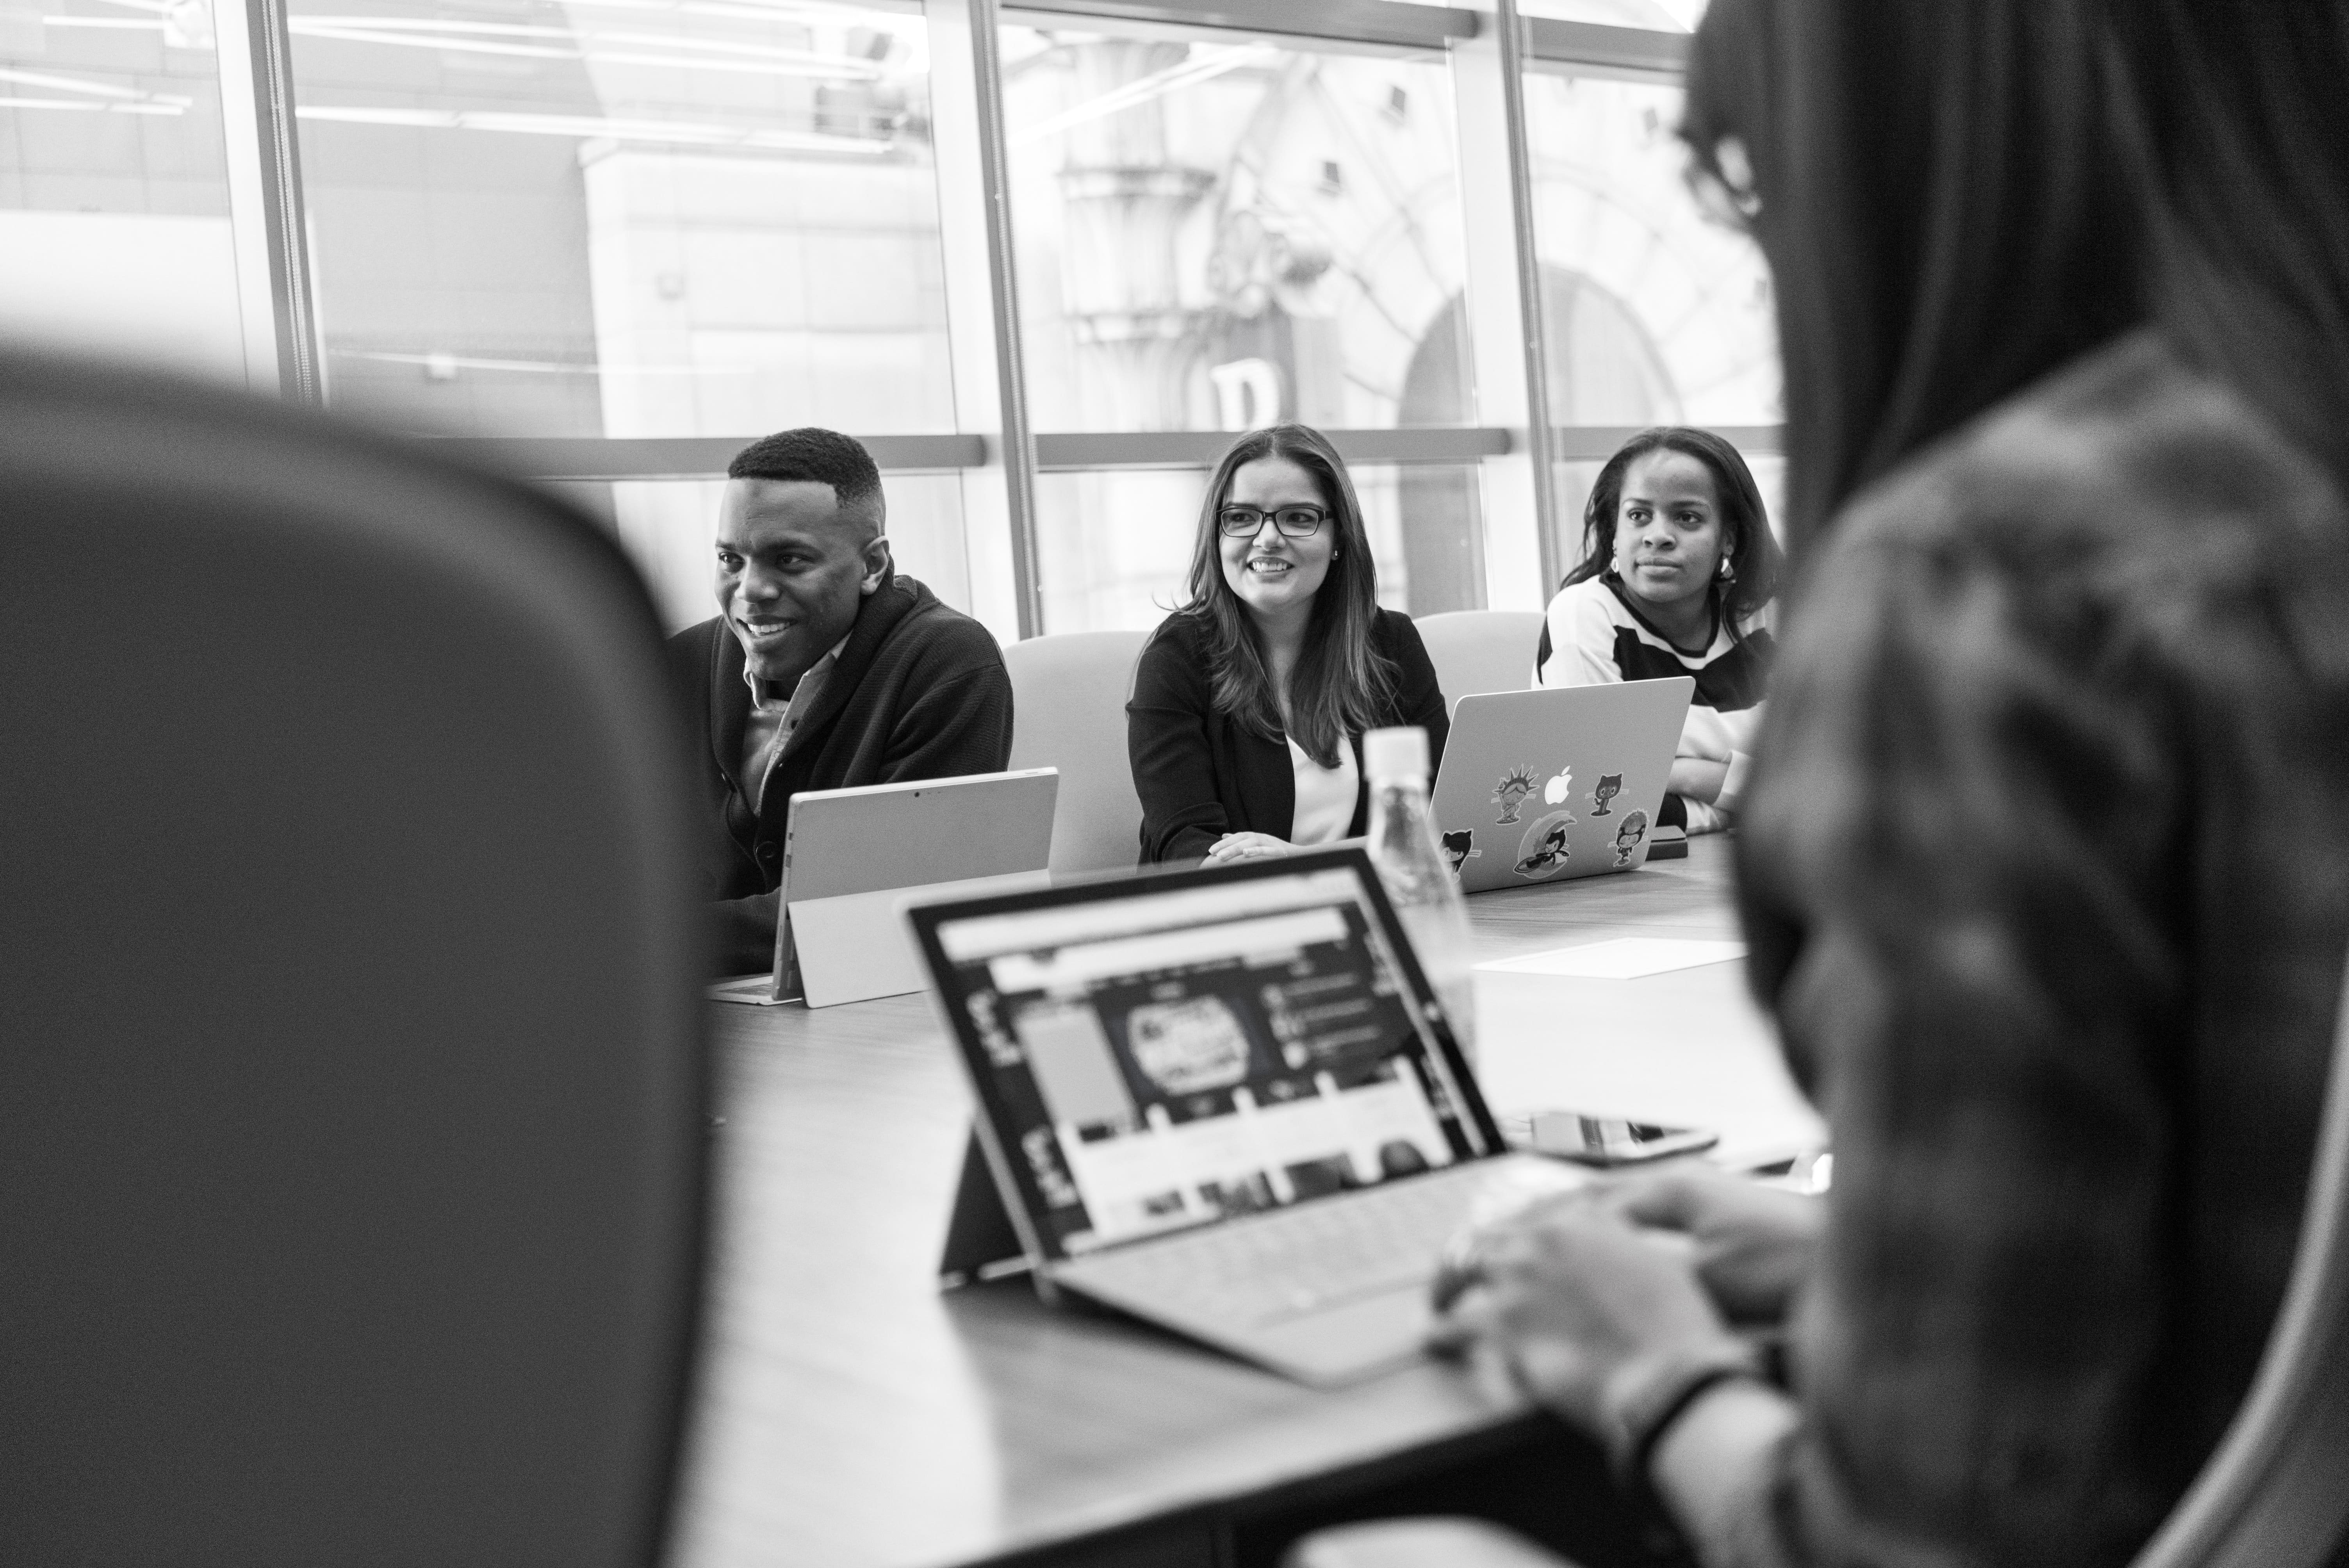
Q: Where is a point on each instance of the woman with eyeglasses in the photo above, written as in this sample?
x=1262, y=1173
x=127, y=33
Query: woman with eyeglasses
x=1250, y=702
x=1678, y=573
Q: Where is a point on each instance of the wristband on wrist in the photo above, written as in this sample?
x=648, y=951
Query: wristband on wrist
x=1645, y=1397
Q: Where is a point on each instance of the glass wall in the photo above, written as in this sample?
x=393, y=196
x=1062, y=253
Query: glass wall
x=600, y=218
x=1653, y=314
x=115, y=232
x=603, y=219
x=1217, y=234
x=619, y=236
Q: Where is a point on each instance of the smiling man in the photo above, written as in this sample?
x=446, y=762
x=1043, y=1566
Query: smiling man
x=824, y=669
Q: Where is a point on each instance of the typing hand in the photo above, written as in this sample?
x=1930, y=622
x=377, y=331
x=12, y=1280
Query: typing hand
x=1571, y=1300
x=1245, y=846
x=1754, y=1245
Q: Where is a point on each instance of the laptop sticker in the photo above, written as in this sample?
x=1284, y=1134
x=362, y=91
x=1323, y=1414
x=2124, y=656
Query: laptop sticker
x=1610, y=786
x=1510, y=793
x=1543, y=854
x=1458, y=851
x=1628, y=834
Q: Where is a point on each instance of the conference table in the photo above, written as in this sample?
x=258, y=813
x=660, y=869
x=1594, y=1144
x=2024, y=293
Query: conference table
x=851, y=1413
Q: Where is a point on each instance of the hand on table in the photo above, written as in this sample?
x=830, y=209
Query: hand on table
x=1243, y=847
x=1754, y=1245
x=1572, y=1298
x=1698, y=779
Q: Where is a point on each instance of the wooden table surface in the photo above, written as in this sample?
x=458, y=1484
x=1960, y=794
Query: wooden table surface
x=851, y=1413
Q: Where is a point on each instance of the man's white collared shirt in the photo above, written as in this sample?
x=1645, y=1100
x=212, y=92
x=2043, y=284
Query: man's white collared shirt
x=772, y=723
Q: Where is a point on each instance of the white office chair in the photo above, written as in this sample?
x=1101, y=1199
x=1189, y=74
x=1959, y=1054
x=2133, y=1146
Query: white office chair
x=1068, y=711
x=2272, y=1496
x=1480, y=650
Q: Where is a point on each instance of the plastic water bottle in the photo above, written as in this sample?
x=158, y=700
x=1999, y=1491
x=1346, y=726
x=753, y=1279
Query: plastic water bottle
x=1419, y=881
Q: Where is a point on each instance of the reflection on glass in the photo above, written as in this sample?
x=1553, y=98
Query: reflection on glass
x=1653, y=316
x=1217, y=235
x=624, y=218
x=114, y=214
x=1655, y=15
x=669, y=528
x=1115, y=547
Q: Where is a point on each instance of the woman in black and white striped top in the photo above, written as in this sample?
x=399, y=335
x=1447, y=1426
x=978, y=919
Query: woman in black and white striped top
x=1678, y=575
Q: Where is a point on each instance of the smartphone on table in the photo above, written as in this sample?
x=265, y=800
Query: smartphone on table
x=1602, y=1139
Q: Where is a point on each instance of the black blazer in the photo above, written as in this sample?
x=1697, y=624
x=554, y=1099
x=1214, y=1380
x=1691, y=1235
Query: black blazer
x=920, y=692
x=1201, y=774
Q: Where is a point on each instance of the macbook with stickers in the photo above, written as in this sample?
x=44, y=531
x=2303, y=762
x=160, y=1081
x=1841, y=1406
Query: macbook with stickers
x=1557, y=782
x=1225, y=1101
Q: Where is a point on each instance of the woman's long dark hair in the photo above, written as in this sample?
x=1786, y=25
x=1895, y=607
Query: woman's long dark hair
x=1341, y=685
x=1752, y=553
x=2238, y=148
x=1932, y=183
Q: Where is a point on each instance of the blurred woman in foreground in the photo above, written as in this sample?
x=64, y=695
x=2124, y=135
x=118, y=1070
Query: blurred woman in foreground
x=2045, y=867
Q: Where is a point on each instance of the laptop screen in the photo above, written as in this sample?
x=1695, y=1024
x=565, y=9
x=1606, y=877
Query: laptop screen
x=1170, y=1051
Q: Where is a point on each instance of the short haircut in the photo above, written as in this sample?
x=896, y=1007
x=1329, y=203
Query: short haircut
x=817, y=457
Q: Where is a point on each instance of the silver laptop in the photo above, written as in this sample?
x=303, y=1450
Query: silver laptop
x=1557, y=782
x=1226, y=1102
x=851, y=856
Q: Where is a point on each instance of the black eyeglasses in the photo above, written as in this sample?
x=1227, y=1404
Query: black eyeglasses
x=1294, y=521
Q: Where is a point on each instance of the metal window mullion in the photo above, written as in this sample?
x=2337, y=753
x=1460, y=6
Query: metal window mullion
x=1383, y=23
x=270, y=39
x=1511, y=32
x=1018, y=440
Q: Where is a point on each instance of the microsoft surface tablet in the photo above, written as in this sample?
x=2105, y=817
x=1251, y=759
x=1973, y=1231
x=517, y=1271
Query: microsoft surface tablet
x=1224, y=1099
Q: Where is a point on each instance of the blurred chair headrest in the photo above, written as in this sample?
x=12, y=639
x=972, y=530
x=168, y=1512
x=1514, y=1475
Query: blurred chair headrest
x=351, y=1113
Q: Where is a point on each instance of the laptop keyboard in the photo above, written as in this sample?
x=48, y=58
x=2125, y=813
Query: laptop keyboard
x=1267, y=1267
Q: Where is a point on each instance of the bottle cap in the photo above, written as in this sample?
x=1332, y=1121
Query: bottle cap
x=1400, y=753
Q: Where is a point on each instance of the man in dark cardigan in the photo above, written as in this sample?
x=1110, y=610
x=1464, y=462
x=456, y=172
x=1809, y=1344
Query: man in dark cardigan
x=825, y=670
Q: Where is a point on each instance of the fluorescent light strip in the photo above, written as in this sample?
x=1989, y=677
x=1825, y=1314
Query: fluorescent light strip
x=554, y=367
x=94, y=90
x=831, y=68
x=683, y=132
x=302, y=29
x=83, y=106
x=328, y=25
x=1189, y=74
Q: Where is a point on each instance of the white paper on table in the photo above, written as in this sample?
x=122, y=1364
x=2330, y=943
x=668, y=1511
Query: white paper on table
x=1623, y=958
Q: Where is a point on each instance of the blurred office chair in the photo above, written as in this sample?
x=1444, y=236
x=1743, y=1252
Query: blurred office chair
x=2273, y=1495
x=1480, y=650
x=1068, y=711
x=351, y=1113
